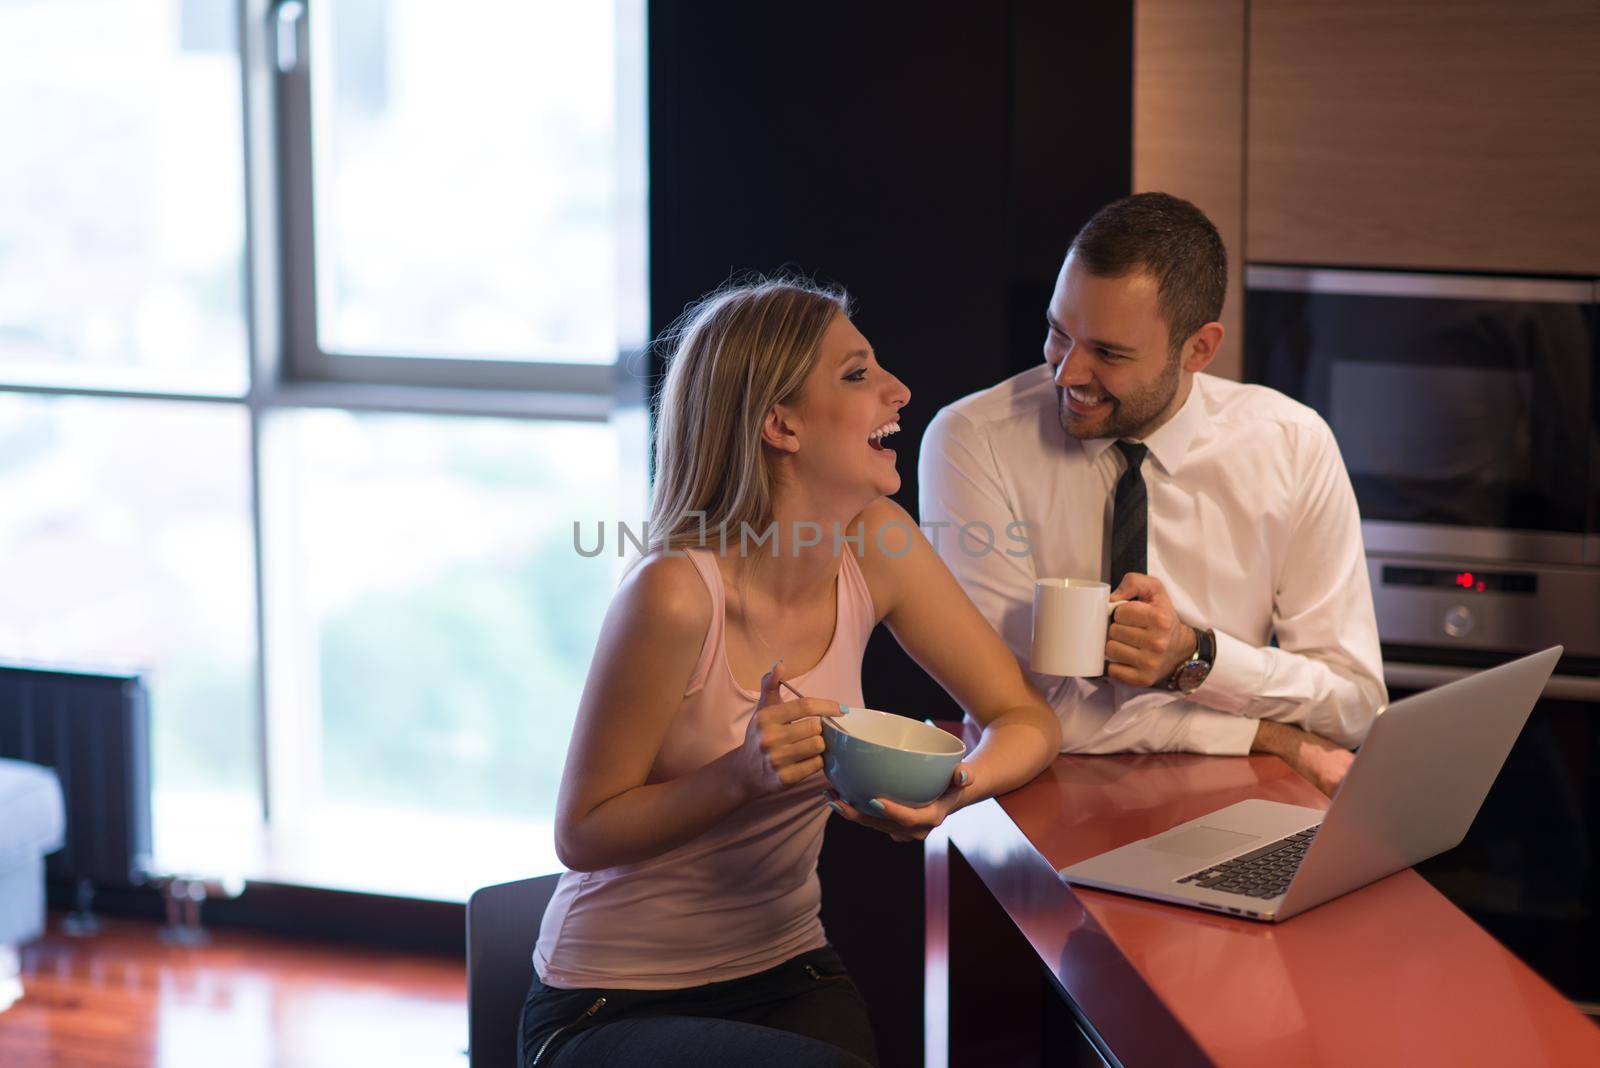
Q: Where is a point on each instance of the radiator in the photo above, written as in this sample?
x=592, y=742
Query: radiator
x=93, y=729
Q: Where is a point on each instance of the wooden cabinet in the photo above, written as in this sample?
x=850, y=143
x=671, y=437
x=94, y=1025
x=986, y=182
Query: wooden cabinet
x=1188, y=127
x=1444, y=134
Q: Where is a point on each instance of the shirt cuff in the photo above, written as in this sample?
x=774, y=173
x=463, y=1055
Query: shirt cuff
x=1215, y=733
x=1237, y=675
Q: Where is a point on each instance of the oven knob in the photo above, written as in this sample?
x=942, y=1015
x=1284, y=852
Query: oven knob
x=1458, y=621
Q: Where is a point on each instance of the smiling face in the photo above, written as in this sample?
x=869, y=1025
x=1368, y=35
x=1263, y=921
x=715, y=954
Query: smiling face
x=835, y=434
x=1115, y=375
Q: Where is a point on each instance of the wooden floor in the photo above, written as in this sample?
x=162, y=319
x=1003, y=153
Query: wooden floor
x=123, y=999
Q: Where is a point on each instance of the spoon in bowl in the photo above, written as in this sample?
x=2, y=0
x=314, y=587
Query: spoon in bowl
x=797, y=693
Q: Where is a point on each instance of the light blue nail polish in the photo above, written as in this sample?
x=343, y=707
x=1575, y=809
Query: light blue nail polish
x=965, y=778
x=876, y=806
x=837, y=808
x=844, y=710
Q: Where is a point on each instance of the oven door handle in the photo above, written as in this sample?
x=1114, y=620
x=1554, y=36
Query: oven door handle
x=1408, y=676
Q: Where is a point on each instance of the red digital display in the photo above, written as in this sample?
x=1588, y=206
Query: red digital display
x=1472, y=581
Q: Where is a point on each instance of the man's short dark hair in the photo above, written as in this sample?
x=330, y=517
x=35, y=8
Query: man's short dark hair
x=1171, y=240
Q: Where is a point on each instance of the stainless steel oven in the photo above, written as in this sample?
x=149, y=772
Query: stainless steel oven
x=1467, y=409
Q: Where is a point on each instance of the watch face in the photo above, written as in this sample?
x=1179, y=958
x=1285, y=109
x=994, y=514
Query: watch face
x=1191, y=674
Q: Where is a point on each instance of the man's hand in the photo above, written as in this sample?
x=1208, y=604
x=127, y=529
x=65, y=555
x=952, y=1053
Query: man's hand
x=1318, y=760
x=1146, y=640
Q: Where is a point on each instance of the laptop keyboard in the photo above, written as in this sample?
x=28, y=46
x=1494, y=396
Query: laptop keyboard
x=1263, y=872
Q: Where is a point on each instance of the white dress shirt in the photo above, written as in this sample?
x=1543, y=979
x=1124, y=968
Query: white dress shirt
x=1253, y=530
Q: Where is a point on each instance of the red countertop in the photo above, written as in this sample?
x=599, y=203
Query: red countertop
x=1389, y=974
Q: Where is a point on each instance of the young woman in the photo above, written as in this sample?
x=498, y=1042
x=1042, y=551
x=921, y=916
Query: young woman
x=692, y=805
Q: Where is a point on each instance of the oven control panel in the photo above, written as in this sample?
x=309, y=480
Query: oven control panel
x=1466, y=581
x=1461, y=604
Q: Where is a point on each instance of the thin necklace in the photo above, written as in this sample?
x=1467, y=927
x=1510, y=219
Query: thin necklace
x=749, y=616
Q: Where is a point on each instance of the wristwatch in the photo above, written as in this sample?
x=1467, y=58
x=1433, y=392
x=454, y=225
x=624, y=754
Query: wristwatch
x=1187, y=676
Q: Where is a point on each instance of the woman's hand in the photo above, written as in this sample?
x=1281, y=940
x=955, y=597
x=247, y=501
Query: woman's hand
x=783, y=741
x=904, y=823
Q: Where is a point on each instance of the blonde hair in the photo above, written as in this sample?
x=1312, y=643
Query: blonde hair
x=734, y=355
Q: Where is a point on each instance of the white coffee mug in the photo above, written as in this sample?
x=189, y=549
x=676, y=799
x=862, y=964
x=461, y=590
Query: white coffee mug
x=1070, y=617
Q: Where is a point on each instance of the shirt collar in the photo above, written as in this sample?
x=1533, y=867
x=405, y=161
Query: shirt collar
x=1170, y=442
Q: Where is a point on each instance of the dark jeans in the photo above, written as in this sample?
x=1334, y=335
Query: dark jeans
x=806, y=1011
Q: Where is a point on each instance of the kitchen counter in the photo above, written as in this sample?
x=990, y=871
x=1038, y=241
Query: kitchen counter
x=1389, y=974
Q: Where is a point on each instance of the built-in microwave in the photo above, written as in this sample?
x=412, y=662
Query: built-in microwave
x=1467, y=409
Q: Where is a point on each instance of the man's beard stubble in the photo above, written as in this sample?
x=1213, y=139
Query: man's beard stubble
x=1130, y=416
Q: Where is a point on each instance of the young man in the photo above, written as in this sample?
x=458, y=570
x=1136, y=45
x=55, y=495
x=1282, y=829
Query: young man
x=1222, y=513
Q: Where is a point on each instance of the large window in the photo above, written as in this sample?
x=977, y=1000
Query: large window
x=122, y=235
x=489, y=131
x=126, y=543
x=314, y=345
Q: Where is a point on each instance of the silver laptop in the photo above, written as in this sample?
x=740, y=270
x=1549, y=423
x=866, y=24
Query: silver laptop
x=1412, y=792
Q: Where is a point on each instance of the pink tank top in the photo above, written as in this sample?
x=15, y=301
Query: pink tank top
x=742, y=897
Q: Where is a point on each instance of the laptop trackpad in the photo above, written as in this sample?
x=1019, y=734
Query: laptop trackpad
x=1201, y=841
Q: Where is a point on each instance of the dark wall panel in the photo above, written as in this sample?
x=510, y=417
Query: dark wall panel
x=935, y=159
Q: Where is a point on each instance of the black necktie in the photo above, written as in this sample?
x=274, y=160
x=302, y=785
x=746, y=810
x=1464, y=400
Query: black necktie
x=1129, y=526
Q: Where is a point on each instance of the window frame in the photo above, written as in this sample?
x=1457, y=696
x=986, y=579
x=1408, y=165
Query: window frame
x=281, y=51
x=288, y=371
